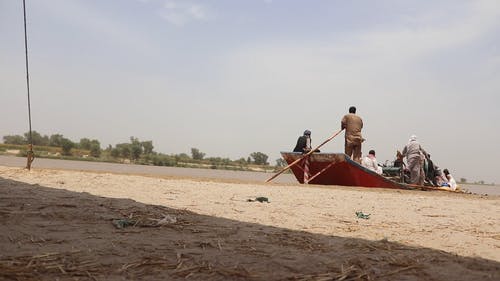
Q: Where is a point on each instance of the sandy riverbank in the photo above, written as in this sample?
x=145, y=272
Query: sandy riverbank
x=465, y=227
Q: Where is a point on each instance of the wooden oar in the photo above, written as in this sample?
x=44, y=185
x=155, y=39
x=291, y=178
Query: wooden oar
x=305, y=155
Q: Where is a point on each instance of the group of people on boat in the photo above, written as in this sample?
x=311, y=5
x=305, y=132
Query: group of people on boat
x=421, y=169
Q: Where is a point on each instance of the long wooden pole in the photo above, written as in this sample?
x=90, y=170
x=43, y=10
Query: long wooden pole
x=305, y=155
x=30, y=154
x=320, y=172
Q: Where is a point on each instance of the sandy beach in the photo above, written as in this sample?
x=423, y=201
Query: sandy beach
x=209, y=229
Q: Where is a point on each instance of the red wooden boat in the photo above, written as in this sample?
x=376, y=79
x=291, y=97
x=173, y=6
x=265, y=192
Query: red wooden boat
x=337, y=169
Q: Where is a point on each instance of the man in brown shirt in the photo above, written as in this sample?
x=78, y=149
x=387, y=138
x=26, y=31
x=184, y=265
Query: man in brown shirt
x=353, y=124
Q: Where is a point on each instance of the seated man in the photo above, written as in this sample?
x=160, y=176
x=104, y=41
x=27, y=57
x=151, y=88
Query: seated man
x=451, y=181
x=399, y=159
x=304, y=143
x=440, y=179
x=370, y=162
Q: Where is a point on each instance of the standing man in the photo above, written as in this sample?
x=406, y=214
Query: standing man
x=415, y=156
x=352, y=124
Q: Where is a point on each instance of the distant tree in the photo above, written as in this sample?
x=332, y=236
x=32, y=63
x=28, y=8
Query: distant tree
x=95, y=151
x=249, y=160
x=14, y=139
x=135, y=151
x=163, y=160
x=115, y=152
x=85, y=144
x=56, y=140
x=109, y=148
x=215, y=161
x=280, y=162
x=463, y=180
x=196, y=154
x=241, y=161
x=95, y=148
x=218, y=161
x=37, y=138
x=147, y=147
x=157, y=160
x=135, y=148
x=45, y=140
x=66, y=146
x=259, y=158
x=183, y=157
x=124, y=149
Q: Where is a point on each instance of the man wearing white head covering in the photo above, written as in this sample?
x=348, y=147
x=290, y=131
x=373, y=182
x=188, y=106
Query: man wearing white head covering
x=415, y=156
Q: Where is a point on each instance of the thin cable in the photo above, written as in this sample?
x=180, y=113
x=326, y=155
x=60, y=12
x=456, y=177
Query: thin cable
x=30, y=153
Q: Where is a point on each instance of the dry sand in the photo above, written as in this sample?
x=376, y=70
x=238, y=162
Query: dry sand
x=58, y=224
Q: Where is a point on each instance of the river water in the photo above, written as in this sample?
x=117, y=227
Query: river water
x=245, y=176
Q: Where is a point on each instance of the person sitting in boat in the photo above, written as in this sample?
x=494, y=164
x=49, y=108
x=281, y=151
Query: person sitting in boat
x=399, y=160
x=370, y=162
x=415, y=155
x=430, y=171
x=451, y=181
x=440, y=178
x=304, y=143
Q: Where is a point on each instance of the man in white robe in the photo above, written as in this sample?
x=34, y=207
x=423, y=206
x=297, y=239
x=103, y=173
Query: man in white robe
x=370, y=162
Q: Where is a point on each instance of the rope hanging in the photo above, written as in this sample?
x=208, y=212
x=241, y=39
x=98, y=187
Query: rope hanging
x=30, y=154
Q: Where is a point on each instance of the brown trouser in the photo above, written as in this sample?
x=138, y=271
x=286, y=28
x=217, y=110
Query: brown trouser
x=353, y=150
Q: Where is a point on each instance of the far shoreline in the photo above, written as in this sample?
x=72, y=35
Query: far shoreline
x=184, y=172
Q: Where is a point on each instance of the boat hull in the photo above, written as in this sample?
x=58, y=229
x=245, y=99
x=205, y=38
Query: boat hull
x=336, y=169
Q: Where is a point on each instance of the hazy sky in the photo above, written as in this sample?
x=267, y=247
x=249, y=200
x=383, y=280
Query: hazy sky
x=235, y=77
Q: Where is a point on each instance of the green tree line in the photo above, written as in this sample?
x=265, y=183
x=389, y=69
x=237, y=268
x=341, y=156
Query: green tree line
x=136, y=151
x=55, y=140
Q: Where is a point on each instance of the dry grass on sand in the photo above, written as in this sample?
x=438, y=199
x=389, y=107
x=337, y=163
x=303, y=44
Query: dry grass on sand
x=57, y=225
